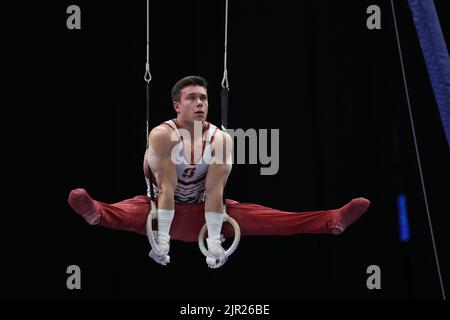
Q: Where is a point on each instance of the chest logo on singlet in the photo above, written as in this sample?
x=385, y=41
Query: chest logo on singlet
x=188, y=172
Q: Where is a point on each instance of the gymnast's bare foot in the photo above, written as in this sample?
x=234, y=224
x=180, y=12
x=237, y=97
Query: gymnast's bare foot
x=345, y=216
x=84, y=205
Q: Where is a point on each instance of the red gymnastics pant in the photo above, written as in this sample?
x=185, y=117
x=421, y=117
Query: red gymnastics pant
x=253, y=219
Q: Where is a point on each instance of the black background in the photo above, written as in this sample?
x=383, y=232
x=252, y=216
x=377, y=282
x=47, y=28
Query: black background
x=311, y=69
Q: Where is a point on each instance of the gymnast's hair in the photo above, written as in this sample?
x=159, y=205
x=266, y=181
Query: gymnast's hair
x=187, y=81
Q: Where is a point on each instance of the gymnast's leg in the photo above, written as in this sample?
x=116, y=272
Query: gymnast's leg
x=127, y=215
x=255, y=219
x=131, y=215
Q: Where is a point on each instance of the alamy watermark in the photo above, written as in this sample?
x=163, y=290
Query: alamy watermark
x=374, y=280
x=245, y=147
x=374, y=20
x=74, y=280
x=74, y=20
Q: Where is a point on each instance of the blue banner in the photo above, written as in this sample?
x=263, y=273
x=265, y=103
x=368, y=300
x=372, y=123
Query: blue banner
x=435, y=54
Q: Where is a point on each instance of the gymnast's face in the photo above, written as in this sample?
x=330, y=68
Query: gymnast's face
x=193, y=104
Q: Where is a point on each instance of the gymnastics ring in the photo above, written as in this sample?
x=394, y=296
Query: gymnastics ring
x=234, y=245
x=154, y=253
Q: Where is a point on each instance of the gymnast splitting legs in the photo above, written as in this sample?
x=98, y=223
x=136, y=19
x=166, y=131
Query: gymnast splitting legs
x=186, y=165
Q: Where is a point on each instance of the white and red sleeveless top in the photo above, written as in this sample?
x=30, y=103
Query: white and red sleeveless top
x=191, y=176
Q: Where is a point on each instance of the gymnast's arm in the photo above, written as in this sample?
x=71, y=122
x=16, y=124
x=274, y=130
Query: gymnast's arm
x=218, y=171
x=160, y=162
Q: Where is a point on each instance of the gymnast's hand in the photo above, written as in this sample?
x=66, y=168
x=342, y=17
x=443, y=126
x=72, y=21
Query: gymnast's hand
x=162, y=259
x=215, y=263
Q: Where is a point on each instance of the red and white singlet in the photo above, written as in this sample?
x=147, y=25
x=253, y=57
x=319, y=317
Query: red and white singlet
x=191, y=177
